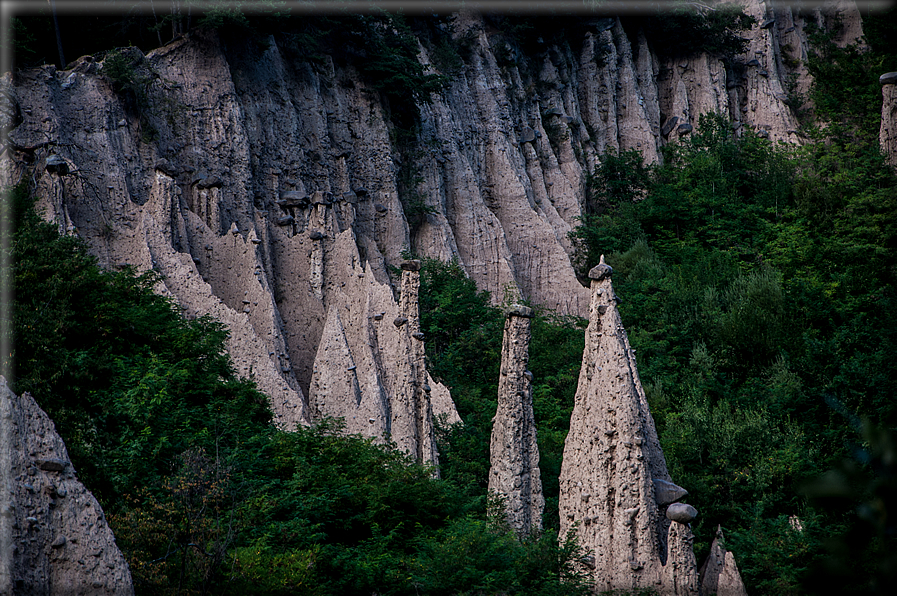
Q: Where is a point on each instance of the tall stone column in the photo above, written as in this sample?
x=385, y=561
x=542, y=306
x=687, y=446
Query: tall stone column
x=514, y=453
x=888, y=133
x=614, y=486
x=413, y=393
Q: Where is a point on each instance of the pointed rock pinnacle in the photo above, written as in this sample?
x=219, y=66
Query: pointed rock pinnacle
x=614, y=483
x=514, y=453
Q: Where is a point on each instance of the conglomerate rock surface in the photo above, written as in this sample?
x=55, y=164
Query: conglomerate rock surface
x=54, y=539
x=253, y=177
x=514, y=452
x=614, y=484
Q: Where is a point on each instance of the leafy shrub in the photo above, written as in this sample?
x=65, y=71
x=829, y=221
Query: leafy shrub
x=687, y=28
x=755, y=282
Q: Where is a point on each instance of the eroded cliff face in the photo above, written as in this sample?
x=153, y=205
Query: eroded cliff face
x=615, y=491
x=264, y=188
x=54, y=539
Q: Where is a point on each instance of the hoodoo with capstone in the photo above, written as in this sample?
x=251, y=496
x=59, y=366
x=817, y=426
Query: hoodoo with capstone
x=514, y=453
x=614, y=486
x=413, y=408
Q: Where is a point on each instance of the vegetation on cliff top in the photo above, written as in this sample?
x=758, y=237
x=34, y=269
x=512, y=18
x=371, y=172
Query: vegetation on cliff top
x=758, y=285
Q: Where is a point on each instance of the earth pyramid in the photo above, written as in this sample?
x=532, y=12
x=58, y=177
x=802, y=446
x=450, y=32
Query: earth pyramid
x=615, y=491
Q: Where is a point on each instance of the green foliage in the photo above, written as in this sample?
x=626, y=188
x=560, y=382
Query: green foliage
x=129, y=382
x=863, y=489
x=845, y=90
x=689, y=28
x=380, y=46
x=205, y=496
x=756, y=283
x=464, y=349
x=20, y=40
x=178, y=543
x=131, y=78
x=611, y=189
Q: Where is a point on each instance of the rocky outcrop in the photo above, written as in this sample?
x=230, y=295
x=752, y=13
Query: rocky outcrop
x=54, y=539
x=514, y=453
x=264, y=189
x=370, y=366
x=888, y=134
x=615, y=491
x=719, y=574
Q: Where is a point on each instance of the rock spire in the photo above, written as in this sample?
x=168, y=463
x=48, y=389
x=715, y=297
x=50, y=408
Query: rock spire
x=412, y=411
x=719, y=574
x=888, y=133
x=614, y=484
x=514, y=475
x=370, y=366
x=54, y=540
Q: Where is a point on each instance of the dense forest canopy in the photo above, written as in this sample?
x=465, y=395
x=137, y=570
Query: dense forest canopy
x=758, y=287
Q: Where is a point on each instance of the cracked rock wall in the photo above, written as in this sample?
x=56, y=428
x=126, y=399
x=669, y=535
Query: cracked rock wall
x=514, y=452
x=54, y=539
x=615, y=491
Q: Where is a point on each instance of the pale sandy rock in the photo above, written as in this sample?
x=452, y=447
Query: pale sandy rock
x=760, y=99
x=843, y=17
x=54, y=539
x=680, y=577
x=888, y=134
x=634, y=107
x=514, y=454
x=689, y=87
x=335, y=390
x=370, y=365
x=611, y=459
x=412, y=412
x=290, y=156
x=510, y=204
x=617, y=92
x=442, y=403
x=719, y=574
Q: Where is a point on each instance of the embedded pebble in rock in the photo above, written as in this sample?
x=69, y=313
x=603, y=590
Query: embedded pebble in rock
x=514, y=453
x=612, y=458
x=666, y=492
x=54, y=540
